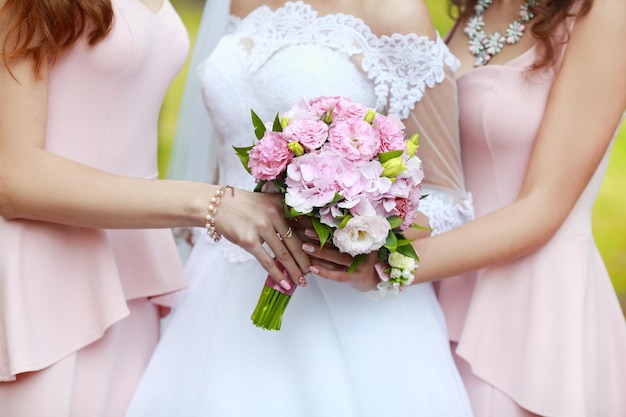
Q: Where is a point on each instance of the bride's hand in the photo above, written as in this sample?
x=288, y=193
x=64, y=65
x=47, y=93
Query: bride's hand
x=251, y=219
x=329, y=263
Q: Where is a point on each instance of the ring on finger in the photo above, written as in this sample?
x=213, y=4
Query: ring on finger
x=287, y=234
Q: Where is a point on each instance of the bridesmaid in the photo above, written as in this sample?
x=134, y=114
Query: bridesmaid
x=537, y=327
x=85, y=255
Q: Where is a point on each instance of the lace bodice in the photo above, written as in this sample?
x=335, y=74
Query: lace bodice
x=272, y=58
x=399, y=67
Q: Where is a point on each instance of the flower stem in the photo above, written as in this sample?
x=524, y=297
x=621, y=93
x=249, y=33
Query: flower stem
x=269, y=310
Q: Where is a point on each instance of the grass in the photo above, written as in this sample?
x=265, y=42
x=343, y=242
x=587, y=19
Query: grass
x=609, y=219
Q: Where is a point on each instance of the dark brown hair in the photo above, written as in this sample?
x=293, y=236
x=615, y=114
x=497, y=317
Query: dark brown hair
x=549, y=16
x=42, y=30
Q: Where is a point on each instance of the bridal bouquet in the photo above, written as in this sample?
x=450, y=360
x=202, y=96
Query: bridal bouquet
x=353, y=172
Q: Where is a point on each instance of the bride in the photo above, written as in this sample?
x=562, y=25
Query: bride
x=340, y=352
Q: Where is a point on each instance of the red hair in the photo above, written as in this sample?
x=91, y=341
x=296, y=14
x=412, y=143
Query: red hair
x=42, y=30
x=549, y=16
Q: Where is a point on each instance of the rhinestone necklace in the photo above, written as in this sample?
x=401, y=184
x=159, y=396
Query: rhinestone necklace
x=484, y=46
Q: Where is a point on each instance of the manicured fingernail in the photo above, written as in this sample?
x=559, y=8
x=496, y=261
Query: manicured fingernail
x=285, y=284
x=310, y=233
x=314, y=270
x=303, y=282
x=307, y=247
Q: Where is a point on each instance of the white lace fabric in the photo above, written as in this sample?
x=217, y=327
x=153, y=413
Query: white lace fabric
x=400, y=66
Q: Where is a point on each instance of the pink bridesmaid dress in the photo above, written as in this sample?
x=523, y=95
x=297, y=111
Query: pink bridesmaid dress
x=547, y=329
x=77, y=326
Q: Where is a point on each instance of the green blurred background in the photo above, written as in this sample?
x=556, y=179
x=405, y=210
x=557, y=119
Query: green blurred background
x=609, y=219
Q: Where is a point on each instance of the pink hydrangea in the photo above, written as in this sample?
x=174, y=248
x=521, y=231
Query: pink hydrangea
x=363, y=180
x=269, y=157
x=355, y=139
x=414, y=170
x=311, y=134
x=362, y=234
x=331, y=215
x=311, y=180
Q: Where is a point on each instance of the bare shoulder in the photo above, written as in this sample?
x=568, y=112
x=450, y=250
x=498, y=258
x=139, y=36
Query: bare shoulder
x=242, y=8
x=606, y=18
x=601, y=33
x=399, y=16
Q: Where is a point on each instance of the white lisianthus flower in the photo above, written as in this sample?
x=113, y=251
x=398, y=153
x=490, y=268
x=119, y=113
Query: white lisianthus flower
x=362, y=234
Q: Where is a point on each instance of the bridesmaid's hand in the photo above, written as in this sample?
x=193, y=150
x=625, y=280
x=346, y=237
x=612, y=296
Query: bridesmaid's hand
x=329, y=263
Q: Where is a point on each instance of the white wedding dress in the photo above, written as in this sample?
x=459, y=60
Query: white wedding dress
x=339, y=352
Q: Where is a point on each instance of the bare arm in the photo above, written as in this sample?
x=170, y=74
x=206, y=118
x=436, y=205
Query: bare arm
x=38, y=185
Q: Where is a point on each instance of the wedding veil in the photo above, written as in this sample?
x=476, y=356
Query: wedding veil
x=193, y=155
x=194, y=150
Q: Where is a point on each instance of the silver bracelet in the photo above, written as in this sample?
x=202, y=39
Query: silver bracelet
x=212, y=211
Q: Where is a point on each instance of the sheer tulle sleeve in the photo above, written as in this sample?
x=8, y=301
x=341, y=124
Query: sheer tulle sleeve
x=417, y=82
x=435, y=119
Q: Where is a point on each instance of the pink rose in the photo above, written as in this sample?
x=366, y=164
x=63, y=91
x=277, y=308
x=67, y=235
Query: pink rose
x=342, y=108
x=323, y=104
x=347, y=109
x=362, y=234
x=390, y=129
x=354, y=138
x=408, y=208
x=269, y=157
x=403, y=201
x=311, y=134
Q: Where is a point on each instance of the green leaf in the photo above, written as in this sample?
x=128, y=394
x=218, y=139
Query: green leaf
x=403, y=242
x=392, y=241
x=344, y=221
x=259, y=127
x=243, y=154
x=394, y=221
x=356, y=261
x=280, y=184
x=386, y=156
x=336, y=198
x=294, y=213
x=277, y=127
x=408, y=250
x=383, y=253
x=259, y=186
x=418, y=227
x=322, y=230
